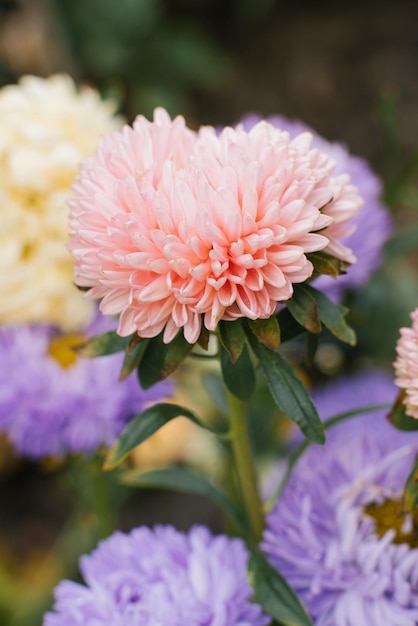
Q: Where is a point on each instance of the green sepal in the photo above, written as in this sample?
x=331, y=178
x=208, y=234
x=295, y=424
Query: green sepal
x=185, y=480
x=232, y=337
x=410, y=492
x=161, y=359
x=274, y=594
x=267, y=332
x=239, y=377
x=326, y=264
x=332, y=315
x=177, y=351
x=288, y=391
x=398, y=417
x=133, y=355
x=102, y=345
x=303, y=307
x=142, y=426
x=204, y=337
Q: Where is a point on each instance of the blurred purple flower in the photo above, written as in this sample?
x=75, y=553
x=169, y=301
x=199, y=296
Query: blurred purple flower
x=160, y=576
x=373, y=222
x=49, y=406
x=350, y=566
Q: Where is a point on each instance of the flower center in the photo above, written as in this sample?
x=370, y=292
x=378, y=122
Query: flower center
x=390, y=514
x=62, y=349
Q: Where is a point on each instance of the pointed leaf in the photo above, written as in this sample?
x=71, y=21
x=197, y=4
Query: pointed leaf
x=185, y=480
x=303, y=307
x=275, y=595
x=332, y=316
x=267, y=332
x=233, y=338
x=152, y=362
x=102, y=345
x=410, y=493
x=326, y=264
x=239, y=377
x=398, y=416
x=132, y=359
x=143, y=426
x=176, y=352
x=289, y=327
x=288, y=392
x=204, y=337
x=162, y=359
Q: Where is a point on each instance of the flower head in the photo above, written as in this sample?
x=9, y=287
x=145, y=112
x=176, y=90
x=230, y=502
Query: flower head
x=160, y=576
x=338, y=533
x=406, y=365
x=53, y=403
x=47, y=127
x=170, y=226
x=373, y=218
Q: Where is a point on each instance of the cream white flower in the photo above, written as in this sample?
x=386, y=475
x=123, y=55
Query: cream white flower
x=406, y=365
x=47, y=126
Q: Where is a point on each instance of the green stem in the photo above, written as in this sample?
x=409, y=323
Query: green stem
x=244, y=465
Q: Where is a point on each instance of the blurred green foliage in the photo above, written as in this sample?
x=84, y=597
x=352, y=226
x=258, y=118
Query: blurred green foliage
x=137, y=48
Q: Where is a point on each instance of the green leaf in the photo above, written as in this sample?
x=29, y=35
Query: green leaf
x=275, y=595
x=288, y=392
x=398, y=416
x=204, y=337
x=267, y=332
x=232, y=338
x=162, y=359
x=289, y=327
x=239, y=377
x=410, y=493
x=302, y=306
x=185, y=480
x=152, y=362
x=326, y=264
x=133, y=355
x=102, y=345
x=142, y=426
x=332, y=315
x=176, y=352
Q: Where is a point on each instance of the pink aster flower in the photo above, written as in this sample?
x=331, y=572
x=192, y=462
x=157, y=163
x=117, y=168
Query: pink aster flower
x=406, y=365
x=172, y=229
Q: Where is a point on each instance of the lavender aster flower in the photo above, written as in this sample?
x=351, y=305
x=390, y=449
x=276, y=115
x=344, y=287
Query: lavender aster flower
x=52, y=402
x=372, y=225
x=338, y=533
x=159, y=577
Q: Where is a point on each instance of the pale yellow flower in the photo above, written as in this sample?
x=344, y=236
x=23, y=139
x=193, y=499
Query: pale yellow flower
x=47, y=126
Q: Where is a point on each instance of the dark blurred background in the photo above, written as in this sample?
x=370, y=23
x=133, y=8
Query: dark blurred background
x=336, y=65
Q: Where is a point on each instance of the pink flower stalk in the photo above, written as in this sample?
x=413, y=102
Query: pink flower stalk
x=172, y=229
x=406, y=365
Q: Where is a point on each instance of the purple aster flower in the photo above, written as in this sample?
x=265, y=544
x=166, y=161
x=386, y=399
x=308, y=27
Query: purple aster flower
x=53, y=403
x=373, y=224
x=338, y=533
x=160, y=577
